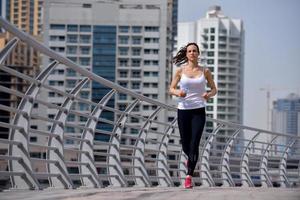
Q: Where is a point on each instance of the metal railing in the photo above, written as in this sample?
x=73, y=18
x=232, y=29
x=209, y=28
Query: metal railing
x=62, y=154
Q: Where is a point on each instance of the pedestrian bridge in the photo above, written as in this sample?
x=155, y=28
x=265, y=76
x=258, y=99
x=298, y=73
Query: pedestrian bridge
x=53, y=157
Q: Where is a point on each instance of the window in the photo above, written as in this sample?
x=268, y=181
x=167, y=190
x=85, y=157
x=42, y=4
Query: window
x=71, y=50
x=136, y=74
x=136, y=51
x=86, y=5
x=84, y=61
x=123, y=74
x=145, y=107
x=57, y=26
x=137, y=29
x=122, y=96
x=123, y=51
x=84, y=94
x=210, y=61
x=135, y=85
x=124, y=29
x=147, y=62
x=85, y=50
x=135, y=62
x=70, y=83
x=155, y=74
x=85, y=28
x=210, y=53
x=136, y=40
x=209, y=108
x=51, y=94
x=147, y=85
x=85, y=39
x=33, y=139
x=212, y=38
x=72, y=38
x=146, y=74
x=123, y=39
x=123, y=62
x=212, y=46
x=71, y=118
x=212, y=30
x=71, y=72
x=155, y=85
x=72, y=28
x=151, y=28
x=123, y=84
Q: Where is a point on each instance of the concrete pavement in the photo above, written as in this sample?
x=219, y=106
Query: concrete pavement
x=156, y=193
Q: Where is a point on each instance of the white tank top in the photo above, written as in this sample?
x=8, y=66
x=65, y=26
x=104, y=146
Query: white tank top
x=194, y=88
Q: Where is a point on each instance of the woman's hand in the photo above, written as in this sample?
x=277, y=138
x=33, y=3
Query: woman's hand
x=181, y=93
x=206, y=95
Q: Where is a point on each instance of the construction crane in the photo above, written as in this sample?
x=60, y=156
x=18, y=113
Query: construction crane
x=268, y=95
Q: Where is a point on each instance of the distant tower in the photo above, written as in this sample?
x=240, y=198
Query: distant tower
x=286, y=117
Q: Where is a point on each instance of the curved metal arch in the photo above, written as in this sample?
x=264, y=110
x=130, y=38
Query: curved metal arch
x=88, y=135
x=161, y=162
x=7, y=49
x=284, y=181
x=22, y=120
x=265, y=177
x=227, y=179
x=114, y=162
x=205, y=175
x=58, y=129
x=245, y=174
x=140, y=169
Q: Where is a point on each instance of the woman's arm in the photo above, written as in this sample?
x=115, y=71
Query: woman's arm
x=175, y=81
x=211, y=84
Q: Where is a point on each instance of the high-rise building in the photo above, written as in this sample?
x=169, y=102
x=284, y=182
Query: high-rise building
x=128, y=42
x=221, y=41
x=25, y=16
x=286, y=118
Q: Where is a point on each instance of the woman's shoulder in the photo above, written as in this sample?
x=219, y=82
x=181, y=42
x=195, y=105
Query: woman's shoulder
x=206, y=70
x=179, y=69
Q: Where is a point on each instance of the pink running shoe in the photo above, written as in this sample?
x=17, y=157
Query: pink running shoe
x=188, y=182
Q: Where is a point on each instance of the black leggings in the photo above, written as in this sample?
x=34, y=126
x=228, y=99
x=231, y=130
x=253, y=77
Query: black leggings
x=191, y=124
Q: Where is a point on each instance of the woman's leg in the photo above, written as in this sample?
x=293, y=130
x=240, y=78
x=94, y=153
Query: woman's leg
x=198, y=123
x=184, y=119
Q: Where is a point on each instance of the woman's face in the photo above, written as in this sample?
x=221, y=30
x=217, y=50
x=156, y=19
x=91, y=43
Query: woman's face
x=192, y=53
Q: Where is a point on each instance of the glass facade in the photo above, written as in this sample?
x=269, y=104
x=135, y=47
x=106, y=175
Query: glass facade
x=104, y=65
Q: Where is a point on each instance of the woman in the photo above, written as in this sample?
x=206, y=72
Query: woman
x=192, y=79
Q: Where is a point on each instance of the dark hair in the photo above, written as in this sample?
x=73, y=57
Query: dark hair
x=180, y=57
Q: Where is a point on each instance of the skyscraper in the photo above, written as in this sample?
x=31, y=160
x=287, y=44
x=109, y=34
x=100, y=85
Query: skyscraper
x=128, y=42
x=286, y=117
x=24, y=15
x=221, y=40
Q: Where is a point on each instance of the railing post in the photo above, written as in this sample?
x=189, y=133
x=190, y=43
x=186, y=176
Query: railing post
x=114, y=162
x=245, y=173
x=265, y=177
x=139, y=152
x=284, y=181
x=226, y=175
x=205, y=175
x=162, y=163
x=25, y=105
x=58, y=142
x=88, y=134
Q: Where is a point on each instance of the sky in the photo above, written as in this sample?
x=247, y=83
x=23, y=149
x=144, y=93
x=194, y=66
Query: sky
x=272, y=48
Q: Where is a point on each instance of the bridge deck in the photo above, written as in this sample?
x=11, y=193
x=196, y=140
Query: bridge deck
x=156, y=194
